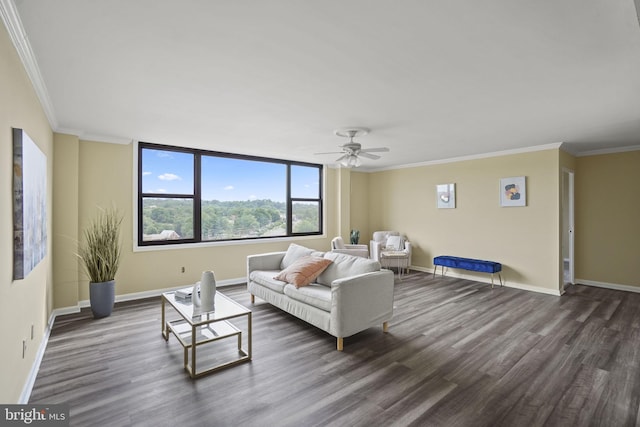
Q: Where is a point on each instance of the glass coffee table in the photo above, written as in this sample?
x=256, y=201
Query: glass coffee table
x=195, y=328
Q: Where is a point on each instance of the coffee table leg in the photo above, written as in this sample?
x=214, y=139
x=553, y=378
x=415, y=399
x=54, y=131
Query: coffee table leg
x=193, y=352
x=249, y=336
x=165, y=332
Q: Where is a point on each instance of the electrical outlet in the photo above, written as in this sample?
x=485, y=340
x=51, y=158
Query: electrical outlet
x=182, y=269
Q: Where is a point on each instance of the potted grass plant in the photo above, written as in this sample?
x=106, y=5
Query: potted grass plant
x=100, y=254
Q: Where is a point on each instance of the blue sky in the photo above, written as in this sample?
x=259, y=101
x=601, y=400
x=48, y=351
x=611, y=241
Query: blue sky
x=223, y=178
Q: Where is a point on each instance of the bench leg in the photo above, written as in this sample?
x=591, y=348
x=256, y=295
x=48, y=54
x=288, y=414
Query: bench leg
x=385, y=327
x=499, y=277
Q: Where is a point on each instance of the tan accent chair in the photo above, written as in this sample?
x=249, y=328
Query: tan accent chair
x=392, y=250
x=338, y=245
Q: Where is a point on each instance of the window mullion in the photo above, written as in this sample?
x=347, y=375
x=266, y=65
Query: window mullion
x=197, y=197
x=289, y=203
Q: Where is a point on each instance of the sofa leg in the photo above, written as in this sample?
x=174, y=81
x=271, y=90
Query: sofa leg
x=253, y=298
x=340, y=344
x=385, y=327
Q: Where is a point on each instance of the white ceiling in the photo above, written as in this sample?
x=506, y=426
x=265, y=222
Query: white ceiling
x=432, y=79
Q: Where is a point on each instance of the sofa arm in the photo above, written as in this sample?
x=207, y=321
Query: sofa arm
x=364, y=253
x=361, y=301
x=359, y=247
x=267, y=261
x=376, y=248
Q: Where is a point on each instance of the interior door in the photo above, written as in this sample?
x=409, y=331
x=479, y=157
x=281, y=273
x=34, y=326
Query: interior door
x=568, y=234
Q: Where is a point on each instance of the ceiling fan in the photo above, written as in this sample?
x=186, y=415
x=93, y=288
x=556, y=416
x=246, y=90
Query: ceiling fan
x=352, y=151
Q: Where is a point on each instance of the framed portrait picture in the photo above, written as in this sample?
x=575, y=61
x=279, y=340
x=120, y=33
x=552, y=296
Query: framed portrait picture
x=446, y=196
x=513, y=191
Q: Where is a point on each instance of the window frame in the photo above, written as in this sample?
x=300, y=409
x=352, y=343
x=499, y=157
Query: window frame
x=197, y=194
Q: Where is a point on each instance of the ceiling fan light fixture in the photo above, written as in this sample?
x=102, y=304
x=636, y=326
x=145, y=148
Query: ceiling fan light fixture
x=351, y=161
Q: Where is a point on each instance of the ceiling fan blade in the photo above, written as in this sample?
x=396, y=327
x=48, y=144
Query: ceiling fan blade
x=344, y=156
x=329, y=152
x=368, y=156
x=375, y=150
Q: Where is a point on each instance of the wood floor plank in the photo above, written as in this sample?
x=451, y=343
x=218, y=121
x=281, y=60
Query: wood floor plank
x=457, y=353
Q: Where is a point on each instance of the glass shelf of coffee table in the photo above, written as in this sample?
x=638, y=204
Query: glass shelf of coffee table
x=196, y=327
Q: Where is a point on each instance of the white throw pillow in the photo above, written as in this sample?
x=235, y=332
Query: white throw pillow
x=345, y=266
x=293, y=253
x=395, y=243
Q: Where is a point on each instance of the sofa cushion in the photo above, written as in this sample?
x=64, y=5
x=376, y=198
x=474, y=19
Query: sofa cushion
x=303, y=271
x=345, y=266
x=265, y=278
x=296, y=251
x=315, y=295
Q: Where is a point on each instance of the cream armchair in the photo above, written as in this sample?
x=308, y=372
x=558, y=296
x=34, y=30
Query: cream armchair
x=338, y=245
x=392, y=250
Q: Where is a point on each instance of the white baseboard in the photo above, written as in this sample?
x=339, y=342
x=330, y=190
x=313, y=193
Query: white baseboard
x=496, y=281
x=614, y=286
x=33, y=373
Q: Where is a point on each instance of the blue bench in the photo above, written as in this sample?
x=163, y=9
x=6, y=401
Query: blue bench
x=467, y=264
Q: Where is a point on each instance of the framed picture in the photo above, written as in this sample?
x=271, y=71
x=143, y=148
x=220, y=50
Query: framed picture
x=29, y=204
x=446, y=196
x=513, y=191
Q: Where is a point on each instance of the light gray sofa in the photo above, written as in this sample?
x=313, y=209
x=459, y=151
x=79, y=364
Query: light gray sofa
x=352, y=294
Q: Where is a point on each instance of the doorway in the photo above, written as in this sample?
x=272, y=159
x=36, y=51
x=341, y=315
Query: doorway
x=567, y=227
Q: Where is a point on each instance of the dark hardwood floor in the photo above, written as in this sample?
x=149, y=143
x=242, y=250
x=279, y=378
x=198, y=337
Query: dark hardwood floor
x=458, y=353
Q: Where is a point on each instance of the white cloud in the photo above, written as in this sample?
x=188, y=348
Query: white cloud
x=228, y=187
x=146, y=173
x=253, y=197
x=160, y=190
x=163, y=154
x=169, y=177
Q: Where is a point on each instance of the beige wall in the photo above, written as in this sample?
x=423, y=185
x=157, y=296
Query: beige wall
x=608, y=219
x=65, y=225
x=105, y=177
x=22, y=302
x=360, y=206
x=523, y=239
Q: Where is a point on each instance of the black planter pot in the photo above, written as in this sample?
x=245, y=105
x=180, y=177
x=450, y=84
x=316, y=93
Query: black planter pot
x=102, y=296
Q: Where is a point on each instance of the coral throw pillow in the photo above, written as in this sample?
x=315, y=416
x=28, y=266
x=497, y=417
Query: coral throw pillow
x=303, y=270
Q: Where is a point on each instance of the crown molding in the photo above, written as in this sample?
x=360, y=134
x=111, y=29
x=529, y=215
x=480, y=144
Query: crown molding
x=553, y=146
x=12, y=22
x=608, y=151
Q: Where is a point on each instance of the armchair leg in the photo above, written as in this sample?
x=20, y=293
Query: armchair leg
x=385, y=327
x=340, y=344
x=253, y=299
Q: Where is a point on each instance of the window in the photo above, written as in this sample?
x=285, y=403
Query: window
x=190, y=196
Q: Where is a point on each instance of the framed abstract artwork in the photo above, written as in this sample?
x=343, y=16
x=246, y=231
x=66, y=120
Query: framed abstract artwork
x=446, y=196
x=29, y=204
x=513, y=191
